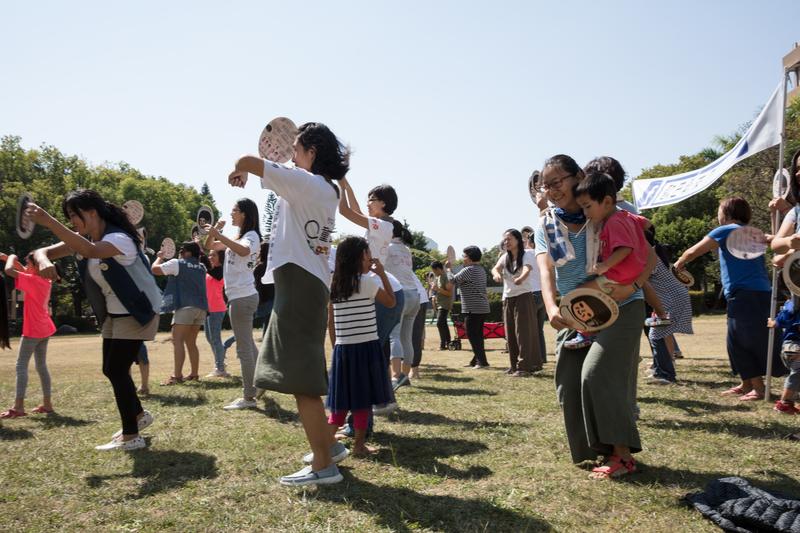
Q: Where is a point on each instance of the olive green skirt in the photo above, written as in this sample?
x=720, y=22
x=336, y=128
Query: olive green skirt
x=292, y=355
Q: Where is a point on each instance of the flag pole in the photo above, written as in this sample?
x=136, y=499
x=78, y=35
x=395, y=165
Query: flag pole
x=775, y=225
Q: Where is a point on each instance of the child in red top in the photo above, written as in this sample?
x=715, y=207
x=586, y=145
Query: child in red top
x=37, y=327
x=623, y=248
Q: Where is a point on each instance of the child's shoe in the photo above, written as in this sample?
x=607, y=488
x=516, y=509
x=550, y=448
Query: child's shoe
x=580, y=340
x=656, y=321
x=785, y=407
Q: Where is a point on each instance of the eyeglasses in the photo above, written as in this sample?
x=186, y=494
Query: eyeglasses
x=555, y=184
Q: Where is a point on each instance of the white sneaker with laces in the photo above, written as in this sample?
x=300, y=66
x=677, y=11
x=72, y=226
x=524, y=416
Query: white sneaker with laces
x=123, y=445
x=241, y=403
x=143, y=423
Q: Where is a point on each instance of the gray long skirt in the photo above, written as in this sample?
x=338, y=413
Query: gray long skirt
x=292, y=355
x=596, y=387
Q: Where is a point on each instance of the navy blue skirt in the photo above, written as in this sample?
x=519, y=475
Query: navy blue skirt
x=359, y=377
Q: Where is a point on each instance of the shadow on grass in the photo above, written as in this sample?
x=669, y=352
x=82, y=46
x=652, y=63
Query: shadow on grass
x=770, y=431
x=55, y=420
x=440, y=368
x=234, y=382
x=422, y=454
x=713, y=384
x=406, y=510
x=272, y=409
x=7, y=433
x=162, y=471
x=434, y=419
x=447, y=379
x=696, y=481
x=694, y=407
x=455, y=392
x=182, y=401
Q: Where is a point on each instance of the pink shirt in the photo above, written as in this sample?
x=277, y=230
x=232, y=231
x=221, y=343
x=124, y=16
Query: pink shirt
x=36, y=321
x=214, y=288
x=623, y=229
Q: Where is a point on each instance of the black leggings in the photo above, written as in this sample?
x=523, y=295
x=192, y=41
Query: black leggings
x=118, y=356
x=444, y=329
x=473, y=323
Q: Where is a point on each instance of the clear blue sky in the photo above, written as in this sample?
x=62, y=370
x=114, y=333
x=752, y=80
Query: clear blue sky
x=453, y=103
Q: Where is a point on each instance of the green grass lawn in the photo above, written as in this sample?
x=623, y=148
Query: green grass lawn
x=468, y=451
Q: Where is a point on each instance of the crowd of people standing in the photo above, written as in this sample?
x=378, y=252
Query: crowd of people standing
x=373, y=306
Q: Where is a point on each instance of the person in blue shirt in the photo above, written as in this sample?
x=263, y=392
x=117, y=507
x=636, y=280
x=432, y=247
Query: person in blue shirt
x=747, y=289
x=789, y=320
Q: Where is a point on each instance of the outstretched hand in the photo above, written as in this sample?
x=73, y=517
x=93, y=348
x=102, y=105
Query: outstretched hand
x=237, y=178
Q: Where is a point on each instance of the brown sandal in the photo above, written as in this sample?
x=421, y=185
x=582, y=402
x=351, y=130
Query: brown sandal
x=172, y=380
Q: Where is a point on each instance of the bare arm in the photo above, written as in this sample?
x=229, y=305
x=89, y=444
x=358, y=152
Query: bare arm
x=614, y=259
x=497, y=274
x=13, y=266
x=547, y=272
x=331, y=325
x=77, y=243
x=218, y=241
x=526, y=271
x=155, y=268
x=348, y=205
x=785, y=239
x=385, y=295
x=707, y=244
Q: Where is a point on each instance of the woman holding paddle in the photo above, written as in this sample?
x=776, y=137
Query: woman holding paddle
x=747, y=289
x=596, y=385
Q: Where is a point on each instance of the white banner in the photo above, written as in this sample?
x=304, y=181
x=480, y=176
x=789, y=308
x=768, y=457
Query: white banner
x=763, y=133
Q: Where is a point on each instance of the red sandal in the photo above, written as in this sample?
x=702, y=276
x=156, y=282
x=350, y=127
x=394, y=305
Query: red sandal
x=41, y=409
x=615, y=466
x=13, y=413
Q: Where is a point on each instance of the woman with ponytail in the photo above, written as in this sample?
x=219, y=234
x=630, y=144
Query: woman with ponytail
x=120, y=288
x=292, y=356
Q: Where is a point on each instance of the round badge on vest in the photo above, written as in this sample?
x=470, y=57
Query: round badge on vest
x=589, y=310
x=277, y=140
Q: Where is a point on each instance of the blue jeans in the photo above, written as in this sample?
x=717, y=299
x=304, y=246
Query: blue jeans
x=663, y=367
x=213, y=331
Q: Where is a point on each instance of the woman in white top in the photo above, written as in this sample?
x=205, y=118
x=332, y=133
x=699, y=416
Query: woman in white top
x=120, y=288
x=514, y=268
x=292, y=356
x=240, y=288
x=400, y=265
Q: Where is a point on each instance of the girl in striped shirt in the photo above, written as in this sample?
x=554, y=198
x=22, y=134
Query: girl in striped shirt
x=359, y=377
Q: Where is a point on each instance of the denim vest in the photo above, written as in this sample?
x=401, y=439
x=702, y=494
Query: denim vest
x=187, y=289
x=134, y=285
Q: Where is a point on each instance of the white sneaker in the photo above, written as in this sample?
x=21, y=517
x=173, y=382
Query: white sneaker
x=218, y=374
x=241, y=403
x=306, y=476
x=384, y=409
x=123, y=445
x=143, y=423
x=339, y=453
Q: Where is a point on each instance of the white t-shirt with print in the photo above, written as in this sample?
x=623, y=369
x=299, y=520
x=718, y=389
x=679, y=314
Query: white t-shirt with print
x=379, y=236
x=400, y=264
x=531, y=283
x=129, y=254
x=237, y=271
x=304, y=219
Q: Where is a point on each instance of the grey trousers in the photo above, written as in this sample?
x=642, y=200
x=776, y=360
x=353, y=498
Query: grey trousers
x=38, y=348
x=241, y=312
x=596, y=387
